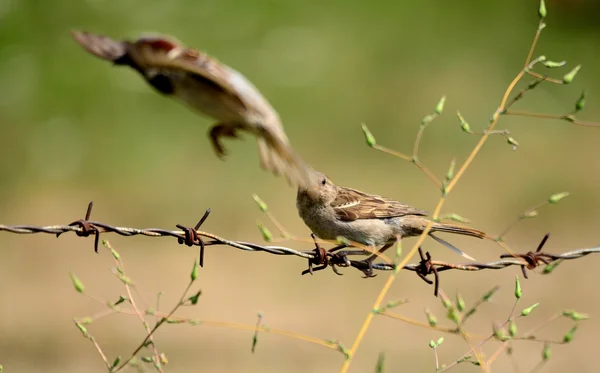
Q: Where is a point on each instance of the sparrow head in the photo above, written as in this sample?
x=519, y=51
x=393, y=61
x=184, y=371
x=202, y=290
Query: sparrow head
x=162, y=44
x=321, y=189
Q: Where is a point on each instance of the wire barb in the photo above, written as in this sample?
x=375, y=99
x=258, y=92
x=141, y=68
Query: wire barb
x=533, y=259
x=192, y=238
x=427, y=267
x=86, y=226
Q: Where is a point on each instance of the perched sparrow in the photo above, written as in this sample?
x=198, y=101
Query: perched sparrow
x=331, y=211
x=210, y=87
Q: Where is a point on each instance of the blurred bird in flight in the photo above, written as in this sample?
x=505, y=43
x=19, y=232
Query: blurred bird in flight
x=211, y=88
x=332, y=211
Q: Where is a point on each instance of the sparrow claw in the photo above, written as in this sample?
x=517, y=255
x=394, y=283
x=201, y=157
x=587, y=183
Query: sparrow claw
x=369, y=270
x=217, y=132
x=334, y=268
x=347, y=261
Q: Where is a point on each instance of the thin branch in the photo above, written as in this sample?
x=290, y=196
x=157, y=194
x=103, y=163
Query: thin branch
x=544, y=77
x=567, y=118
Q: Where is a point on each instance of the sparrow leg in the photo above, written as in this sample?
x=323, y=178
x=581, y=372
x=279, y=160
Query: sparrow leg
x=369, y=271
x=222, y=130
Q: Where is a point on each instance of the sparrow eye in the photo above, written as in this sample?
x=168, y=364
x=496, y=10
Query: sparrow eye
x=324, y=181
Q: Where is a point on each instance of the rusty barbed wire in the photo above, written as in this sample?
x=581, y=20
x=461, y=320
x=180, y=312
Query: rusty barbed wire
x=318, y=258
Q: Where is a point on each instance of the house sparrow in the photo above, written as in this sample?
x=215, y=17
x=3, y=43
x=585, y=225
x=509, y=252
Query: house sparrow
x=210, y=87
x=332, y=211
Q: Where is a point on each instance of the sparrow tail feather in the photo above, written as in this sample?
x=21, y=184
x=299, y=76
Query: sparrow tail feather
x=278, y=157
x=100, y=46
x=457, y=229
x=452, y=247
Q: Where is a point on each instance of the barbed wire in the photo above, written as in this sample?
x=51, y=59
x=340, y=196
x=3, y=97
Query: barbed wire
x=318, y=258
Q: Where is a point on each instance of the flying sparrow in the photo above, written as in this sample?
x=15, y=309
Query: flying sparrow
x=332, y=211
x=210, y=87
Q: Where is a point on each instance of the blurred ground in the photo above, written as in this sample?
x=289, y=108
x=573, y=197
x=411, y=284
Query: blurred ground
x=73, y=129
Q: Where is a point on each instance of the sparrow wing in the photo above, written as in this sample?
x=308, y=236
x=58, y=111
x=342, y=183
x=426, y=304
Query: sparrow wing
x=351, y=204
x=152, y=55
x=164, y=53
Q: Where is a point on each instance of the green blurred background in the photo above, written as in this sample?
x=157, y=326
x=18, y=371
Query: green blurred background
x=75, y=129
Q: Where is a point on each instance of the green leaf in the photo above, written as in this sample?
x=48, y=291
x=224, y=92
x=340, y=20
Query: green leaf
x=546, y=353
x=499, y=333
x=553, y=64
x=574, y=315
x=551, y=267
x=368, y=136
x=76, y=283
x=116, y=362
x=175, y=321
x=512, y=328
x=126, y=280
x=542, y=9
x=267, y=235
x=398, y=249
x=380, y=367
x=194, y=298
x=580, y=102
x=194, y=274
x=518, y=291
x=431, y=319
x=450, y=173
x=115, y=254
x=447, y=303
x=463, y=123
x=254, y=342
x=343, y=350
x=262, y=206
x=568, y=78
x=557, y=197
x=120, y=300
x=569, y=336
x=395, y=303
x=440, y=341
x=81, y=328
x=440, y=106
x=453, y=315
x=534, y=83
x=487, y=296
x=542, y=12
x=528, y=310
x=460, y=303
x=512, y=142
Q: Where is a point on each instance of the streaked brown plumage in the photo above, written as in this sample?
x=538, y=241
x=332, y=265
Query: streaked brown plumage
x=332, y=211
x=210, y=87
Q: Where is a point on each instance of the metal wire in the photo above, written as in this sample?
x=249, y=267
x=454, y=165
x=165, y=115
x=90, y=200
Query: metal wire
x=320, y=257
